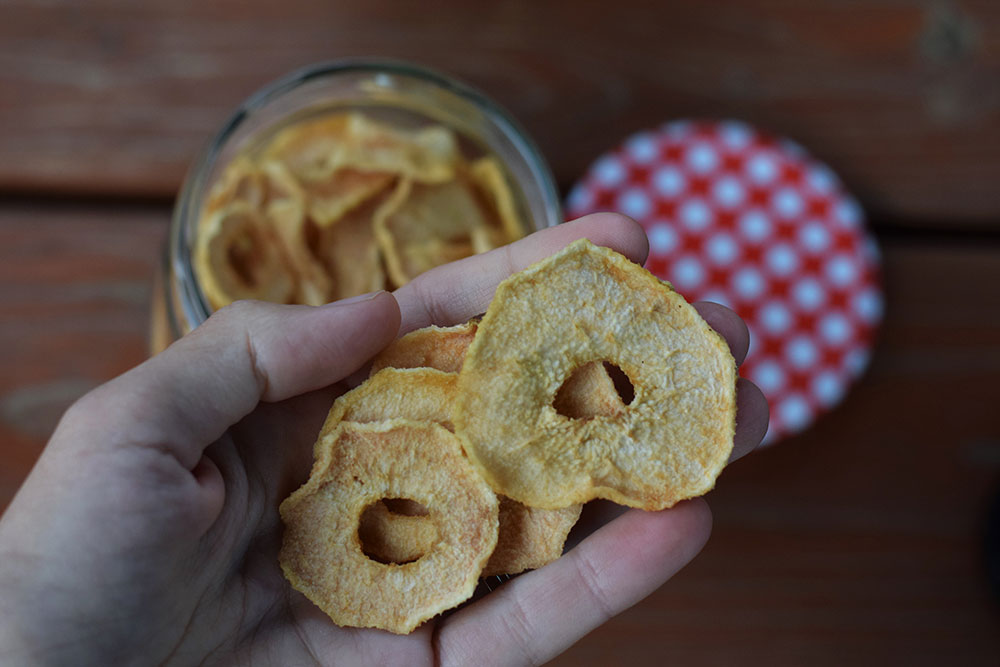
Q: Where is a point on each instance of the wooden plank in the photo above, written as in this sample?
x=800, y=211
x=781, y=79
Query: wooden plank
x=857, y=542
x=74, y=311
x=900, y=96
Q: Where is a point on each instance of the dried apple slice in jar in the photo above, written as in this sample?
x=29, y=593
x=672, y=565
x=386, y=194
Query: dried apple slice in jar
x=489, y=178
x=284, y=208
x=315, y=149
x=349, y=251
x=432, y=225
x=237, y=256
x=241, y=180
x=332, y=198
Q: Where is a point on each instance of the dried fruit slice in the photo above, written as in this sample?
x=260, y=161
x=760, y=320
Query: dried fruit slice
x=240, y=181
x=529, y=537
x=331, y=198
x=238, y=257
x=489, y=178
x=442, y=348
x=348, y=249
x=433, y=225
x=315, y=149
x=417, y=394
x=284, y=208
x=581, y=305
x=322, y=554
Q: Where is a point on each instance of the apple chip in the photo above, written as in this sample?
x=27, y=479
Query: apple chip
x=322, y=554
x=241, y=180
x=433, y=225
x=348, y=249
x=314, y=149
x=330, y=199
x=442, y=348
x=284, y=209
x=417, y=394
x=529, y=537
x=587, y=304
x=489, y=178
x=238, y=257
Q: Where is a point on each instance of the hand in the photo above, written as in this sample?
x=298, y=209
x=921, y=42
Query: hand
x=148, y=531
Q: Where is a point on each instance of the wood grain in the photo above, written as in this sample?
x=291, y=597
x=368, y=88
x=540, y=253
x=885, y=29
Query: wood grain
x=74, y=312
x=857, y=542
x=900, y=96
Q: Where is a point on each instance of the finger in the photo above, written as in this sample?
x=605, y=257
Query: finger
x=540, y=614
x=453, y=293
x=751, y=418
x=729, y=325
x=186, y=397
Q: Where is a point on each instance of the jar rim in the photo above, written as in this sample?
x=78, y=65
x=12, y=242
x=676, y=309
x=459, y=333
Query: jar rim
x=193, y=301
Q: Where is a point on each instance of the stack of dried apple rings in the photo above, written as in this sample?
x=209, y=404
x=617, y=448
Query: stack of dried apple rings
x=527, y=401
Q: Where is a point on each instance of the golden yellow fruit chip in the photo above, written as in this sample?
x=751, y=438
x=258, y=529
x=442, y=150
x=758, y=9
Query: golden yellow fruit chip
x=285, y=210
x=489, y=177
x=330, y=199
x=417, y=394
x=238, y=257
x=312, y=148
x=587, y=304
x=349, y=252
x=322, y=554
x=359, y=205
x=442, y=348
x=432, y=225
x=529, y=537
x=315, y=149
x=241, y=180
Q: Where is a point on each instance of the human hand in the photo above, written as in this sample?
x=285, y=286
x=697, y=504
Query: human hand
x=148, y=532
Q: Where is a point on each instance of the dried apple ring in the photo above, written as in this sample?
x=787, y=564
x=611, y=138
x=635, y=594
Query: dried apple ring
x=442, y=348
x=238, y=257
x=418, y=394
x=529, y=537
x=285, y=209
x=348, y=249
x=315, y=149
x=587, y=304
x=489, y=177
x=322, y=554
x=434, y=224
x=330, y=199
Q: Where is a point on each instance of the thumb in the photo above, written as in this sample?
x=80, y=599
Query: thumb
x=186, y=397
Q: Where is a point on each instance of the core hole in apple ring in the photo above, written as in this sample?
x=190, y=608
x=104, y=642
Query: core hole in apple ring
x=396, y=531
x=598, y=388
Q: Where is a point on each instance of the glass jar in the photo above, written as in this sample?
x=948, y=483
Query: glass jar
x=401, y=93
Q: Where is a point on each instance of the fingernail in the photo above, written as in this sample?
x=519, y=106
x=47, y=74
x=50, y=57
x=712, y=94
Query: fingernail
x=356, y=299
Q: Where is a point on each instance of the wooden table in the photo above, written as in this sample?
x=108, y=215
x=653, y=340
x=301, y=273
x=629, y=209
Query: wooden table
x=857, y=542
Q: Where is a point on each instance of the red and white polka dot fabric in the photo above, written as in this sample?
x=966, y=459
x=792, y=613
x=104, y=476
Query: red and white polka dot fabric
x=744, y=219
